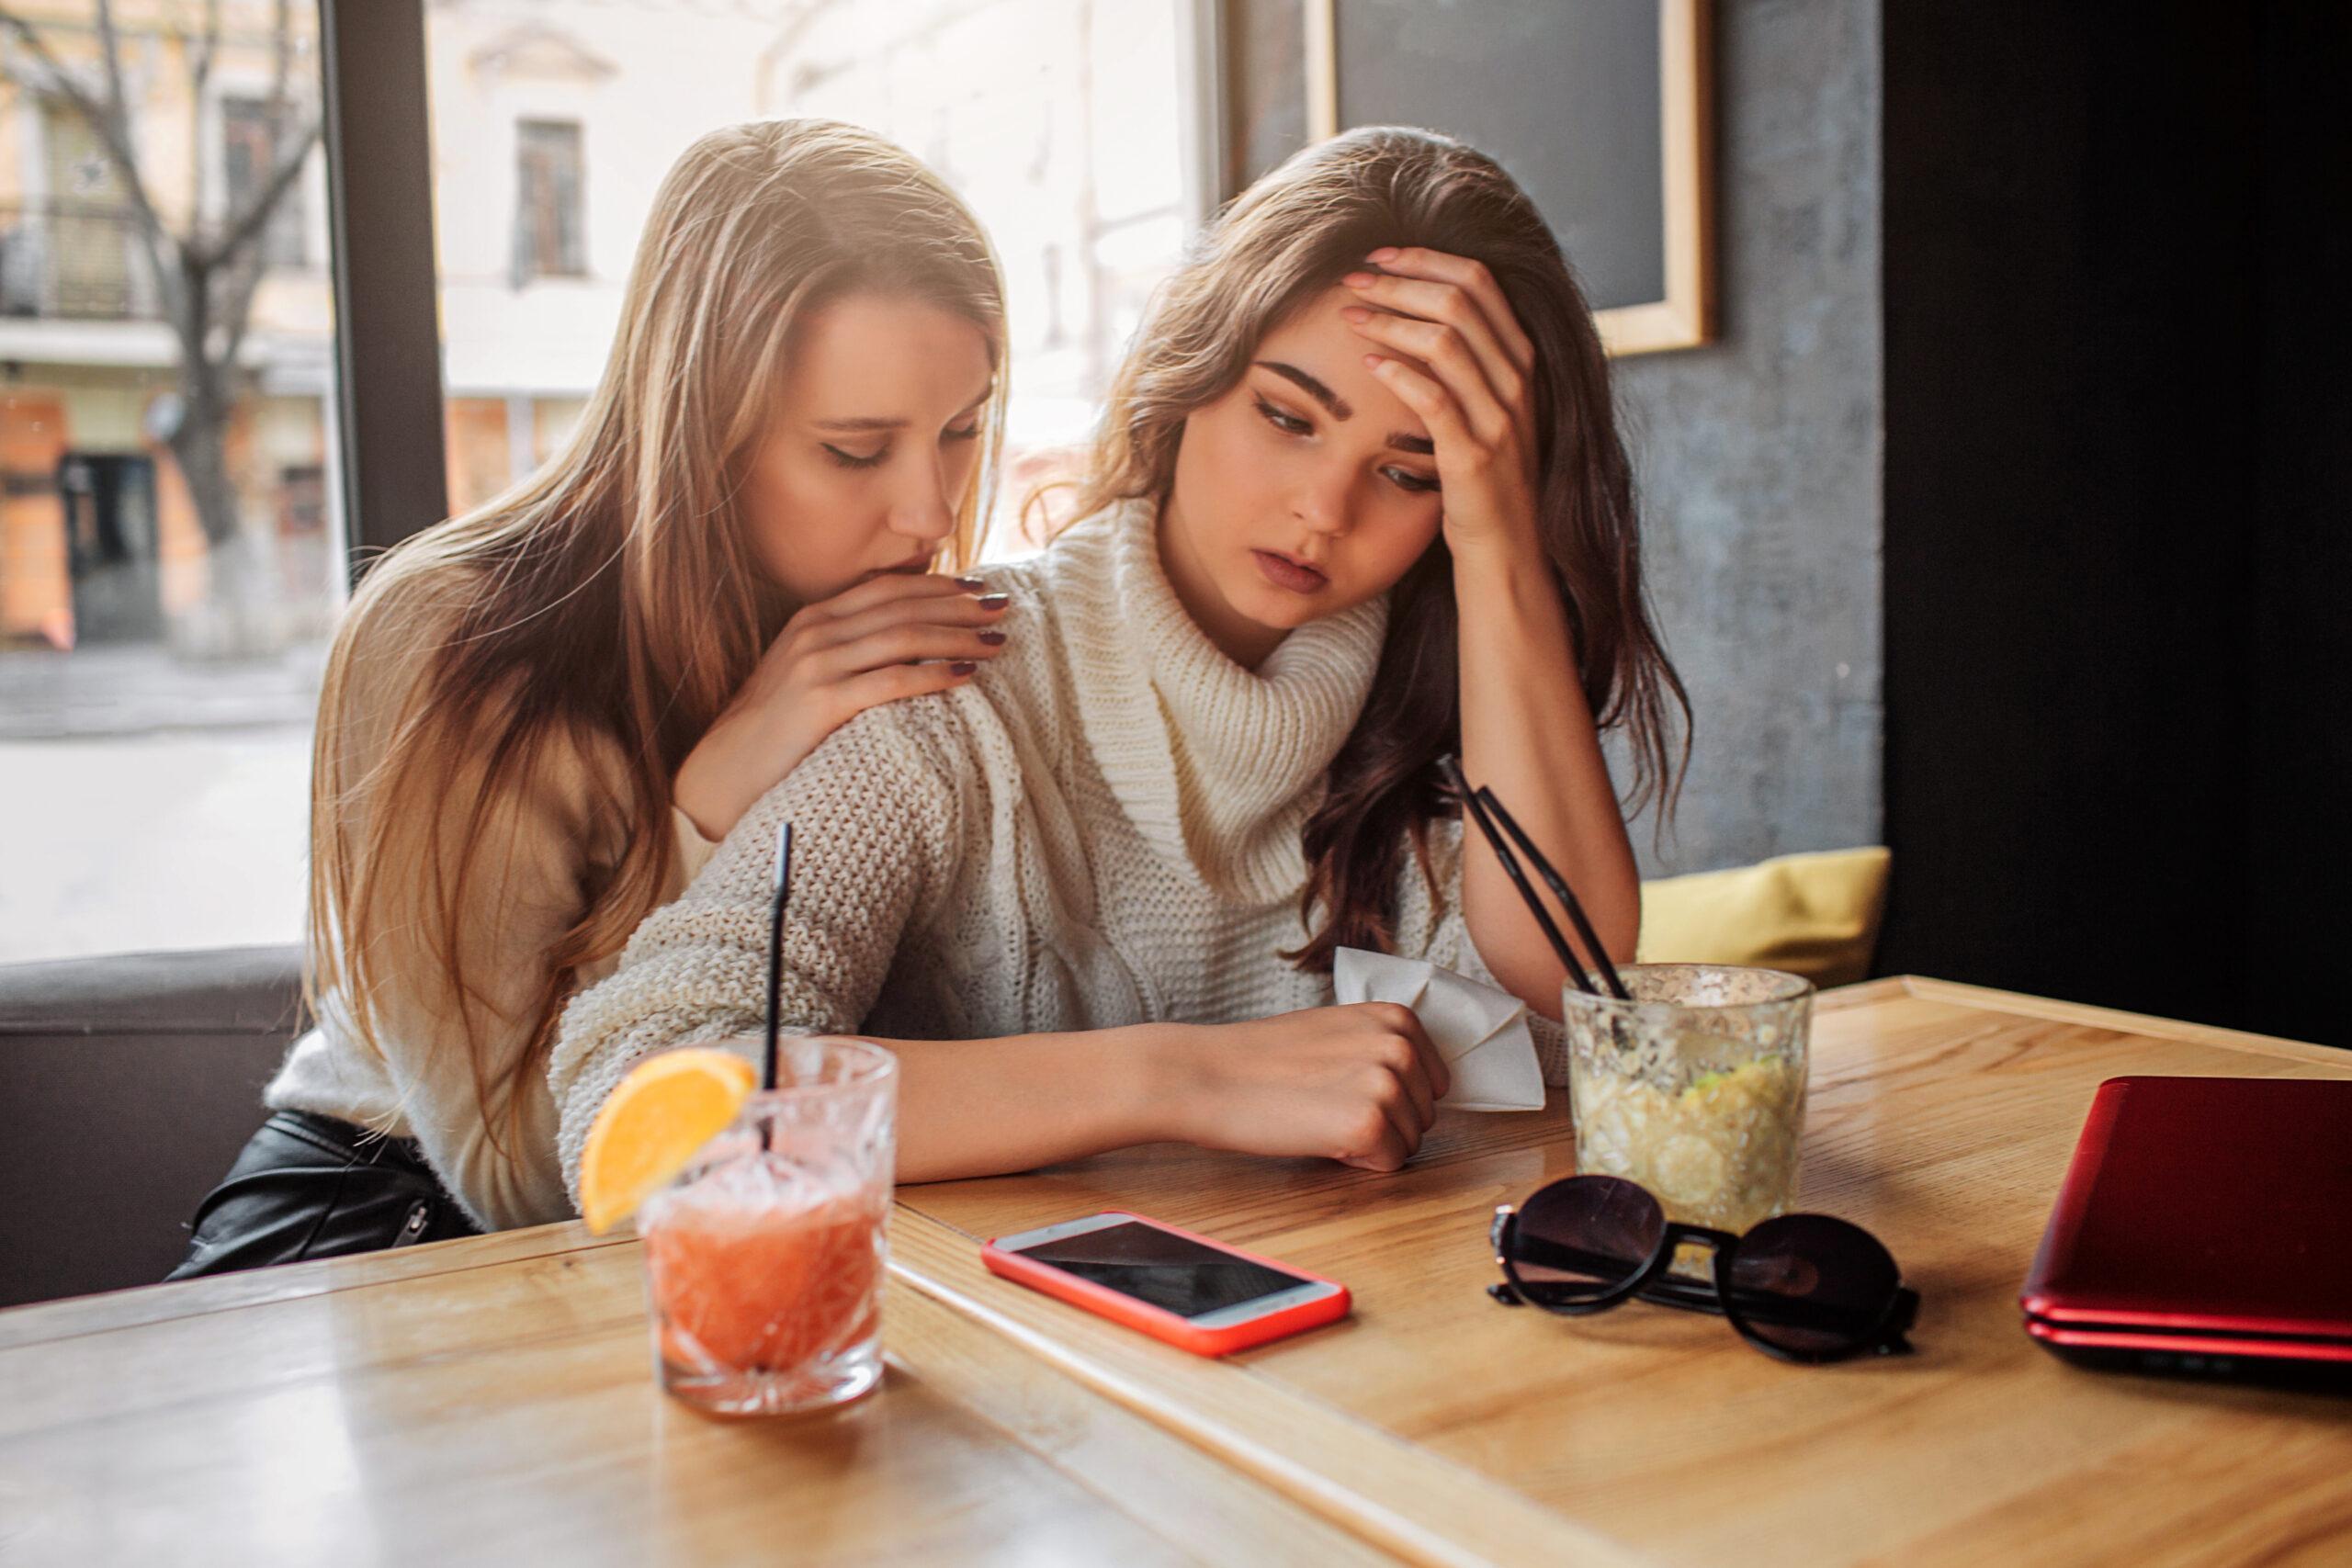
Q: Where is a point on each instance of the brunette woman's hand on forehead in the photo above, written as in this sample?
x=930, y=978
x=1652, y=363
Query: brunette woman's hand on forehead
x=1452, y=350
x=896, y=635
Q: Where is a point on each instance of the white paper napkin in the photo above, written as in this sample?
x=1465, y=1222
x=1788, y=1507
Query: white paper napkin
x=1482, y=1032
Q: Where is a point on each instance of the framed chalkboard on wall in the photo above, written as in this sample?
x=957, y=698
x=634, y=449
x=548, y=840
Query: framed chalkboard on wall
x=1601, y=109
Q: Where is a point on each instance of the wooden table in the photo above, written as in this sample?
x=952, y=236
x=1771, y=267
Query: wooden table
x=492, y=1399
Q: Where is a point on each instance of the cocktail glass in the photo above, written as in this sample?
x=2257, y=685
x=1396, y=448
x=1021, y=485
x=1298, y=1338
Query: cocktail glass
x=765, y=1257
x=1694, y=1087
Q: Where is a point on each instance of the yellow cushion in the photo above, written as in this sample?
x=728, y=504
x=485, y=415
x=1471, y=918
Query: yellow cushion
x=1815, y=915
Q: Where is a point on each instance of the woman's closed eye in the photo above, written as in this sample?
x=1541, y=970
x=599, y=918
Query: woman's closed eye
x=1406, y=479
x=876, y=458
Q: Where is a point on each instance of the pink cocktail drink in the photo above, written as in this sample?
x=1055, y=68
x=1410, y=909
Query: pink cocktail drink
x=765, y=1260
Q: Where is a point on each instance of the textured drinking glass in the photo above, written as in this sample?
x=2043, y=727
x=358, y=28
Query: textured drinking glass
x=763, y=1259
x=1694, y=1087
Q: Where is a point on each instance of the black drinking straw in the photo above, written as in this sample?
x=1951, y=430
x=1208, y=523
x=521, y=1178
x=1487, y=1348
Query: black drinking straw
x=1559, y=886
x=775, y=961
x=1477, y=812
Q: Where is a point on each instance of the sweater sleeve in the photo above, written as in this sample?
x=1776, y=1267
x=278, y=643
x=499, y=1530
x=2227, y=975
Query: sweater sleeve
x=1430, y=927
x=876, y=813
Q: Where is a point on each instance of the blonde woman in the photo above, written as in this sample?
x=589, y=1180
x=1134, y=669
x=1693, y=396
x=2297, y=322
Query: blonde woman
x=538, y=717
x=1359, y=501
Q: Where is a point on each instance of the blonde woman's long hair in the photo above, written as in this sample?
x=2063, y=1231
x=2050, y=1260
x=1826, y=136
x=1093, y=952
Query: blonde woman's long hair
x=1283, y=240
x=611, y=603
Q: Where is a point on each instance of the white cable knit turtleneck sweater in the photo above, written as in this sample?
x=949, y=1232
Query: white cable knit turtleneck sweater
x=1101, y=828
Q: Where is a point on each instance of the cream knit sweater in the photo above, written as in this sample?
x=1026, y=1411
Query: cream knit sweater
x=1101, y=828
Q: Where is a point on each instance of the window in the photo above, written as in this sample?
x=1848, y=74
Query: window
x=547, y=240
x=71, y=245
x=250, y=151
x=172, y=537
x=171, y=561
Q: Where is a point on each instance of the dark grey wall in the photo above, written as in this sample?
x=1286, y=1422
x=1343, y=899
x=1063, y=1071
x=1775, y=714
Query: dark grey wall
x=1759, y=456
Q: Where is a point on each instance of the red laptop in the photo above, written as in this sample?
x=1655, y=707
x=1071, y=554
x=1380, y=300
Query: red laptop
x=2205, y=1228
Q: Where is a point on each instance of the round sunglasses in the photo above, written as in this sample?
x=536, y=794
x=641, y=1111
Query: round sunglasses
x=1805, y=1288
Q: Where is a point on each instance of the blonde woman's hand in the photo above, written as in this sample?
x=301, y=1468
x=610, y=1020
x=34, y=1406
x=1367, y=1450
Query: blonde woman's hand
x=1357, y=1083
x=894, y=636
x=1451, y=348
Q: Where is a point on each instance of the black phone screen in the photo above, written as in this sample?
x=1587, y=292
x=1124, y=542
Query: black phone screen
x=1169, y=1271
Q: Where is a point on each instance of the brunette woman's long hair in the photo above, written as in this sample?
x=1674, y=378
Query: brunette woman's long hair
x=1281, y=243
x=610, y=605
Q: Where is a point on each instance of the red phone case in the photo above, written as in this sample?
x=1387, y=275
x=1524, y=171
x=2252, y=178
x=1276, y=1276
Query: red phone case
x=1159, y=1322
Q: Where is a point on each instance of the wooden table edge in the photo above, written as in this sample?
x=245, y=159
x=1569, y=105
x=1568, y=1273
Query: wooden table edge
x=140, y=1306
x=1985, y=998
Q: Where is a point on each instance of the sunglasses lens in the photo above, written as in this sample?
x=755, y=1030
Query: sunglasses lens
x=1811, y=1285
x=1582, y=1238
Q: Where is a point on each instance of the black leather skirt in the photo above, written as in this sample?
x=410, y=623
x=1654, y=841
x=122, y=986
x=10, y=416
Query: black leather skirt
x=310, y=1186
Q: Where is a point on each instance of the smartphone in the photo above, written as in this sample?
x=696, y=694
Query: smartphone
x=1197, y=1294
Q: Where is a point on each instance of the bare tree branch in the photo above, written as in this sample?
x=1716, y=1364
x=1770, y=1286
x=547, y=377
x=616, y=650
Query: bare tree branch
x=199, y=57
x=239, y=281
x=281, y=64
x=117, y=104
x=211, y=42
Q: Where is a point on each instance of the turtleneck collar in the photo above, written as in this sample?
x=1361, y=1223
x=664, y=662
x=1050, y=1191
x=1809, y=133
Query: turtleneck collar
x=1217, y=766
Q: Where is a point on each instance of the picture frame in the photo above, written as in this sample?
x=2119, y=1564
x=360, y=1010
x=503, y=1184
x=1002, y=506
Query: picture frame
x=1682, y=315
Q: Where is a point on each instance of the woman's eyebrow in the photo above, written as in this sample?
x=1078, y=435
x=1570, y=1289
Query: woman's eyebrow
x=1340, y=407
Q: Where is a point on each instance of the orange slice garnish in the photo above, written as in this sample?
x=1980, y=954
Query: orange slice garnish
x=668, y=1107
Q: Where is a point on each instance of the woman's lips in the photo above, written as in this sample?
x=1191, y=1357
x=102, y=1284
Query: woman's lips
x=1285, y=572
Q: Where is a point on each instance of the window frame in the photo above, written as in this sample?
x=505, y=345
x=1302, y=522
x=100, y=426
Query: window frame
x=388, y=338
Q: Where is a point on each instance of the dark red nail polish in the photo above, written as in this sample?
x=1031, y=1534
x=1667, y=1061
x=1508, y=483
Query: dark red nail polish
x=962, y=667
x=993, y=638
x=995, y=601
x=973, y=583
